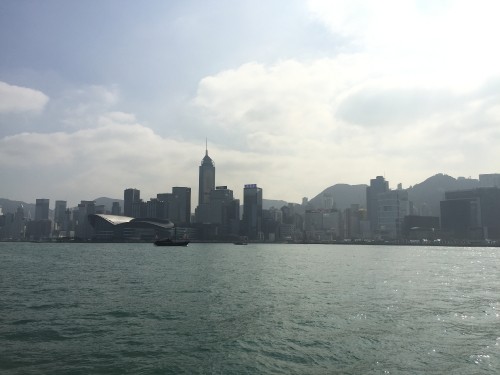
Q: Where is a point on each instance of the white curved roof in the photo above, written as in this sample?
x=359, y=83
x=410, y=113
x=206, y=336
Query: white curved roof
x=115, y=219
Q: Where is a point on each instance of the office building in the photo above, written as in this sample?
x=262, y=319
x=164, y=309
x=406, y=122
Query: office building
x=472, y=214
x=83, y=229
x=224, y=211
x=252, y=212
x=206, y=179
x=178, y=206
x=393, y=206
x=60, y=217
x=130, y=197
x=116, y=209
x=377, y=186
x=42, y=209
x=489, y=180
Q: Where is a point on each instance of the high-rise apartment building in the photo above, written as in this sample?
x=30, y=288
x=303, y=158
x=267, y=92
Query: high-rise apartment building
x=252, y=212
x=130, y=197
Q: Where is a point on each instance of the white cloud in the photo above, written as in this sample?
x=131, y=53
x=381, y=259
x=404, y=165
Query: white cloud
x=21, y=99
x=450, y=42
x=98, y=161
x=345, y=119
x=80, y=108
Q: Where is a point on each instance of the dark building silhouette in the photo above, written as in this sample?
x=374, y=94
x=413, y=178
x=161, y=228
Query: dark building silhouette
x=83, y=229
x=60, y=218
x=116, y=209
x=472, y=214
x=42, y=209
x=252, y=212
x=130, y=197
x=205, y=186
x=224, y=211
x=377, y=186
x=38, y=229
x=420, y=227
x=175, y=206
x=206, y=179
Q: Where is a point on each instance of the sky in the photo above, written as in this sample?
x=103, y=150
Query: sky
x=293, y=95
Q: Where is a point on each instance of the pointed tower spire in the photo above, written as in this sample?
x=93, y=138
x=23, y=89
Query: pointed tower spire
x=206, y=146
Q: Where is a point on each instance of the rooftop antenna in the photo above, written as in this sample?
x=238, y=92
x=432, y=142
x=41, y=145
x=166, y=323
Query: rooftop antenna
x=206, y=146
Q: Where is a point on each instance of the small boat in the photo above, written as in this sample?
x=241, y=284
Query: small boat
x=169, y=242
x=241, y=241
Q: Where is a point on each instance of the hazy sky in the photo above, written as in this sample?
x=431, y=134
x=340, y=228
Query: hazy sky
x=100, y=95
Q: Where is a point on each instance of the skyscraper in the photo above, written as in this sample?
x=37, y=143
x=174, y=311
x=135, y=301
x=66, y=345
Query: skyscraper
x=116, y=209
x=252, y=212
x=377, y=186
x=206, y=179
x=60, y=222
x=393, y=206
x=130, y=196
x=42, y=209
x=205, y=186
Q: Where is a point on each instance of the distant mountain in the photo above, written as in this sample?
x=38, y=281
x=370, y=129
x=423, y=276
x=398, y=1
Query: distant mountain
x=343, y=195
x=427, y=194
x=268, y=203
x=11, y=206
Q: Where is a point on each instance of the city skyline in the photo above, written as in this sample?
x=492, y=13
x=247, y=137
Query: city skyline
x=294, y=97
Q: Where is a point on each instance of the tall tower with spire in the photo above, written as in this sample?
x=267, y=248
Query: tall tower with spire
x=206, y=178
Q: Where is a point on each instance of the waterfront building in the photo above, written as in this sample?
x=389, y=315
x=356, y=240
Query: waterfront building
x=38, y=229
x=252, y=212
x=322, y=225
x=377, y=186
x=130, y=197
x=420, y=227
x=472, y=214
x=393, y=206
x=124, y=228
x=83, y=229
x=41, y=227
x=13, y=225
x=60, y=218
x=356, y=225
